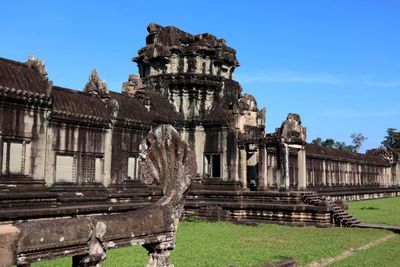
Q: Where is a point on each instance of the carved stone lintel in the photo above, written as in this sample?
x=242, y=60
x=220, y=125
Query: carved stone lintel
x=159, y=254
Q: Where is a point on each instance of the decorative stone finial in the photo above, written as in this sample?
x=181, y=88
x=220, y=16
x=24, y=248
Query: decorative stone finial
x=292, y=131
x=152, y=27
x=38, y=65
x=131, y=86
x=95, y=85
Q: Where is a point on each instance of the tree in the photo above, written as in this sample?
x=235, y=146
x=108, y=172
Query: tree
x=357, y=140
x=343, y=146
x=317, y=141
x=392, y=140
x=329, y=142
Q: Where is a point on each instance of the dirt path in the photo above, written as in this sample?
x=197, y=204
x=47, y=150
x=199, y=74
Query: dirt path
x=348, y=253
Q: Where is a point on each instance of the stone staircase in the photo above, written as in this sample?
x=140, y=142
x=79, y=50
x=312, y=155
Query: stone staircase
x=340, y=217
x=223, y=203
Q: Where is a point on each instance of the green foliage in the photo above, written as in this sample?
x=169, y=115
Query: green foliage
x=392, y=140
x=329, y=142
x=357, y=140
x=317, y=141
x=380, y=211
x=343, y=146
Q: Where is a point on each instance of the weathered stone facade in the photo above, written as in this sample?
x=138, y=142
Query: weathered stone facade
x=165, y=160
x=66, y=151
x=60, y=137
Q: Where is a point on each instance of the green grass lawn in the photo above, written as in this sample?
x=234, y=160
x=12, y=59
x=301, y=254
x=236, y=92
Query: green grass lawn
x=380, y=211
x=224, y=244
x=384, y=255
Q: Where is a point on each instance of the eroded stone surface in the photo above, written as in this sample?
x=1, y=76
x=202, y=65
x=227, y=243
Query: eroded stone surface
x=166, y=161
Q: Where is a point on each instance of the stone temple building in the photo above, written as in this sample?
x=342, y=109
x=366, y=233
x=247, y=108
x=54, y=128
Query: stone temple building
x=57, y=140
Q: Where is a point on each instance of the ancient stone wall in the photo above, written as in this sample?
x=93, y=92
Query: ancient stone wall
x=64, y=136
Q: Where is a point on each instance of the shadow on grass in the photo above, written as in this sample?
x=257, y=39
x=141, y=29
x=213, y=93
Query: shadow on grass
x=369, y=208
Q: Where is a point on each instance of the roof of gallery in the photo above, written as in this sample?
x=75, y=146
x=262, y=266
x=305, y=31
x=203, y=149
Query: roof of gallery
x=68, y=104
x=20, y=76
x=339, y=154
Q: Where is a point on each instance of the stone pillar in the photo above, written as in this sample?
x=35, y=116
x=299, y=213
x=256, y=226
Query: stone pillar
x=397, y=173
x=302, y=169
x=262, y=168
x=243, y=167
x=284, y=168
x=324, y=173
x=200, y=138
x=236, y=172
x=49, y=163
x=270, y=162
x=107, y=158
x=38, y=161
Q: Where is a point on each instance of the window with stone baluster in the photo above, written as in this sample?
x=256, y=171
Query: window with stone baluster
x=16, y=157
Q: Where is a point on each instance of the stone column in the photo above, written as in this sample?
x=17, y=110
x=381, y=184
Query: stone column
x=200, y=138
x=49, y=157
x=284, y=168
x=107, y=157
x=324, y=173
x=302, y=169
x=236, y=169
x=262, y=168
x=270, y=159
x=397, y=173
x=243, y=167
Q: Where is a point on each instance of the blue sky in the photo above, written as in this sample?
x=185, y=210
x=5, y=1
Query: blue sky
x=337, y=63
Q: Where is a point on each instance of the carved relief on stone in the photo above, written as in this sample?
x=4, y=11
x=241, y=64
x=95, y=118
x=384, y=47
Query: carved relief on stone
x=248, y=102
x=250, y=118
x=38, y=65
x=114, y=106
x=131, y=86
x=95, y=85
x=97, y=249
x=170, y=50
x=167, y=160
x=292, y=131
x=261, y=117
x=382, y=152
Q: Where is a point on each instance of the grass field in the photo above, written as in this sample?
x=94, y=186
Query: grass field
x=380, y=211
x=223, y=244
